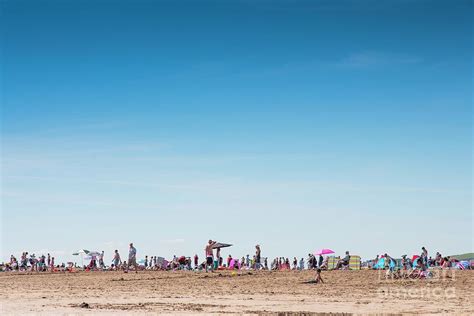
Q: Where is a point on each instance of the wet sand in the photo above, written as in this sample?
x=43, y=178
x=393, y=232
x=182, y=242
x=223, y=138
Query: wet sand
x=151, y=292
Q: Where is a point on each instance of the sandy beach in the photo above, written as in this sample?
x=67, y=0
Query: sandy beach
x=360, y=292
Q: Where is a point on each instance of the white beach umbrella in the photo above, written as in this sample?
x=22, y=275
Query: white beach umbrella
x=81, y=252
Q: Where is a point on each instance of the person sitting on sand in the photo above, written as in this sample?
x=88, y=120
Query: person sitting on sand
x=419, y=271
x=318, y=277
x=343, y=262
x=445, y=264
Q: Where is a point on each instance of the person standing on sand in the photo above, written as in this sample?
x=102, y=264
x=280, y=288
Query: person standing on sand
x=196, y=261
x=101, y=260
x=116, y=260
x=258, y=257
x=424, y=255
x=132, y=257
x=218, y=256
x=210, y=255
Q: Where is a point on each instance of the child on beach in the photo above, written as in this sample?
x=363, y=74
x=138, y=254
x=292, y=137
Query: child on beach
x=318, y=278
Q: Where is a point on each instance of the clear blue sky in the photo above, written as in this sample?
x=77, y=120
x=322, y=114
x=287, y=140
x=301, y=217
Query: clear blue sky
x=293, y=124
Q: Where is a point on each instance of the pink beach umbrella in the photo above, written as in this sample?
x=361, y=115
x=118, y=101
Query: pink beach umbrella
x=323, y=251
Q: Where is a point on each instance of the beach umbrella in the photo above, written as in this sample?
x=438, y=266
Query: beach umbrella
x=324, y=251
x=81, y=252
x=220, y=245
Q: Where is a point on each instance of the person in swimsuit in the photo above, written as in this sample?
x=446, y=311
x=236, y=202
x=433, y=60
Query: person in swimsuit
x=210, y=255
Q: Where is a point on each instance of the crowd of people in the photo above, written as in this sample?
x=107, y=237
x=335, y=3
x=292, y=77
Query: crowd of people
x=416, y=266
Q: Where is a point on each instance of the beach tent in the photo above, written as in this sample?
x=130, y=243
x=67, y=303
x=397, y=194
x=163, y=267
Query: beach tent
x=462, y=265
x=414, y=260
x=381, y=264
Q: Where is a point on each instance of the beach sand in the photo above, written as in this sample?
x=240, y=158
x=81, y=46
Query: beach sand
x=246, y=292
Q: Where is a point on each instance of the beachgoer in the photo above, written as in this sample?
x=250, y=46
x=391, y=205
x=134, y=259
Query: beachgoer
x=387, y=262
x=101, y=260
x=210, y=255
x=132, y=257
x=116, y=260
x=218, y=254
x=196, y=261
x=343, y=262
x=258, y=253
x=318, y=277
x=424, y=255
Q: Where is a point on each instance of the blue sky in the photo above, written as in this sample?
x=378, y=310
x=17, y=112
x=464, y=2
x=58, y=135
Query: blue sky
x=294, y=124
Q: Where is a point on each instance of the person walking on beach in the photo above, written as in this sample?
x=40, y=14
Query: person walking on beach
x=210, y=255
x=116, y=260
x=132, y=257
